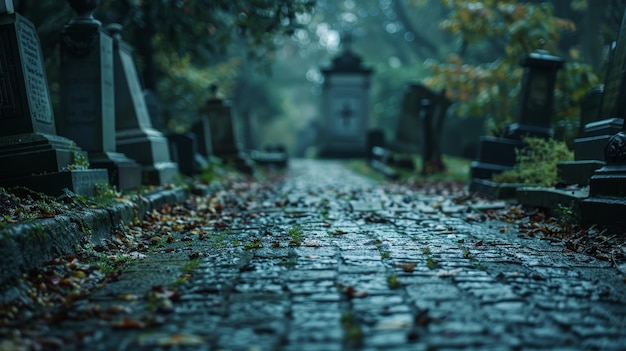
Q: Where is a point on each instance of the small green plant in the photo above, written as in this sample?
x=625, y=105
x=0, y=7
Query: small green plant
x=104, y=194
x=79, y=159
x=536, y=163
x=385, y=255
x=566, y=214
x=353, y=334
x=295, y=233
x=393, y=282
x=191, y=265
x=431, y=264
x=426, y=251
x=253, y=245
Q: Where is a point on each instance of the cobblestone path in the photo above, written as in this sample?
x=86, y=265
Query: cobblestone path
x=328, y=261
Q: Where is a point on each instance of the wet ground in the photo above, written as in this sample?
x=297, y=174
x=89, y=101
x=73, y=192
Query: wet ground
x=325, y=259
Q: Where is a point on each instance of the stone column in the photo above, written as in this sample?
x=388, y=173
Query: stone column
x=32, y=154
x=87, y=95
x=135, y=135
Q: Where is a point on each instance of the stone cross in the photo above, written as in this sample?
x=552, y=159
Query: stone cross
x=6, y=7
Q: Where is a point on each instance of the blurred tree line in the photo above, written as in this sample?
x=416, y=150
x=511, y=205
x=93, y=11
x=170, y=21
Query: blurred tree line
x=181, y=46
x=483, y=74
x=267, y=53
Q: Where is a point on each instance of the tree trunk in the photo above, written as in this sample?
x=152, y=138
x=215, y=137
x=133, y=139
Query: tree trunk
x=145, y=49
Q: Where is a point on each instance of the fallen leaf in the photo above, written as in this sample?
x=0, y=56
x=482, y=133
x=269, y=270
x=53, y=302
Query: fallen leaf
x=448, y=273
x=161, y=339
x=128, y=323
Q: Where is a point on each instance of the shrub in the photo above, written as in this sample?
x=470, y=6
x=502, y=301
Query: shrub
x=536, y=163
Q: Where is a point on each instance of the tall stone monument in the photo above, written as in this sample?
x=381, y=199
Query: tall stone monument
x=33, y=155
x=497, y=154
x=87, y=95
x=135, y=135
x=345, y=107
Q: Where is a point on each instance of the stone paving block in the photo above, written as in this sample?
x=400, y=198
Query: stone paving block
x=332, y=292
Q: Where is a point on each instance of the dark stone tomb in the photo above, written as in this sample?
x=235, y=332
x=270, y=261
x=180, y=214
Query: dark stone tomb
x=33, y=155
x=135, y=135
x=497, y=154
x=87, y=96
x=345, y=107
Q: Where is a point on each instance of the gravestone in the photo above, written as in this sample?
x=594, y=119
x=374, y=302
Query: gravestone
x=135, y=136
x=216, y=129
x=589, y=148
x=184, y=150
x=407, y=133
x=219, y=115
x=87, y=96
x=537, y=95
x=606, y=203
x=602, y=110
x=33, y=155
x=607, y=187
x=202, y=129
x=345, y=107
x=498, y=154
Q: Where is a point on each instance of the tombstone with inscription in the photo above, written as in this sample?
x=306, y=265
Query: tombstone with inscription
x=33, y=155
x=87, y=96
x=345, y=107
x=497, y=154
x=135, y=135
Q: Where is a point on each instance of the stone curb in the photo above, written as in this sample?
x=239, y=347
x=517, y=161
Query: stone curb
x=24, y=247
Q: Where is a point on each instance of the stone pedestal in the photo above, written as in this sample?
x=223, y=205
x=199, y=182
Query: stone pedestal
x=589, y=151
x=88, y=100
x=184, y=148
x=135, y=136
x=497, y=154
x=607, y=187
x=28, y=141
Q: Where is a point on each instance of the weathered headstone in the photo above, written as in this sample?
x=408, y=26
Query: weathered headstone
x=202, y=129
x=432, y=116
x=497, y=154
x=407, y=134
x=184, y=150
x=607, y=187
x=218, y=112
x=537, y=95
x=602, y=117
x=345, y=107
x=216, y=129
x=135, y=135
x=33, y=155
x=87, y=96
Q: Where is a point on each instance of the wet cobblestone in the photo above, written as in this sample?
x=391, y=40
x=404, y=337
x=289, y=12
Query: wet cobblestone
x=373, y=271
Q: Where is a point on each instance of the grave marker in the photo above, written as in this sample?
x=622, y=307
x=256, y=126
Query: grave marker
x=498, y=154
x=87, y=96
x=38, y=158
x=134, y=133
x=345, y=107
